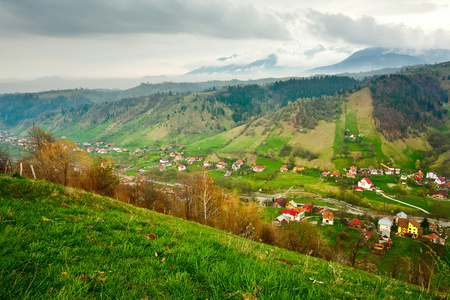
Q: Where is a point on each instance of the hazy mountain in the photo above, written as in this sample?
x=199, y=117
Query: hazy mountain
x=371, y=59
x=265, y=63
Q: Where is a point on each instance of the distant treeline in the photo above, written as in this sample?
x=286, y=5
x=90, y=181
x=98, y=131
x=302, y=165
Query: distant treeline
x=252, y=100
x=16, y=108
x=404, y=104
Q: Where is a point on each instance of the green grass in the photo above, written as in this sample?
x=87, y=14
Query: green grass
x=271, y=165
x=274, y=143
x=97, y=248
x=351, y=123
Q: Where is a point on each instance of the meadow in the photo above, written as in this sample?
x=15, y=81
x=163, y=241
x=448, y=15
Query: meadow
x=61, y=243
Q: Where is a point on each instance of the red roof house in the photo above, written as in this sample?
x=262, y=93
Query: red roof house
x=355, y=223
x=308, y=207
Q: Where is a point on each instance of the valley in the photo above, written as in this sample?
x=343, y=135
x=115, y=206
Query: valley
x=321, y=141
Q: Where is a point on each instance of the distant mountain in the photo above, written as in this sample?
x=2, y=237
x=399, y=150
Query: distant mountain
x=371, y=59
x=266, y=63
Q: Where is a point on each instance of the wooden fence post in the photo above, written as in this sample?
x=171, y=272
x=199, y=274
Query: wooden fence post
x=32, y=170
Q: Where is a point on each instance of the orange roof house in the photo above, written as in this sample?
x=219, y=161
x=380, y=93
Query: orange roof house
x=327, y=217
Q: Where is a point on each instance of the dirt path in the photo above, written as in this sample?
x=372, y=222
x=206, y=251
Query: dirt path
x=404, y=203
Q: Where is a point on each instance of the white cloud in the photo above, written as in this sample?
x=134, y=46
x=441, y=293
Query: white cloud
x=367, y=31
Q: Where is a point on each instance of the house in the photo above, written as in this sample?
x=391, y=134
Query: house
x=350, y=175
x=191, y=160
x=353, y=170
x=237, y=165
x=257, y=168
x=334, y=175
x=181, y=167
x=221, y=165
x=292, y=214
x=164, y=161
x=373, y=171
x=440, y=194
x=291, y=204
x=434, y=238
x=281, y=218
x=365, y=183
x=89, y=150
x=326, y=173
x=327, y=217
x=279, y=202
x=385, y=223
x=178, y=157
x=289, y=213
x=300, y=212
x=433, y=227
x=385, y=237
x=368, y=235
x=308, y=207
x=397, y=171
x=355, y=223
x=298, y=169
x=400, y=215
x=228, y=173
x=440, y=180
x=403, y=177
x=418, y=179
x=206, y=164
x=359, y=189
x=418, y=174
x=408, y=227
x=284, y=169
x=432, y=175
x=389, y=171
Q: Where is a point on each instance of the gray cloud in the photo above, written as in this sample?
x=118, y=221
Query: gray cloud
x=214, y=18
x=366, y=31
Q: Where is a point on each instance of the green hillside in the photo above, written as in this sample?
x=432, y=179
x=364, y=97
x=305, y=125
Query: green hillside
x=396, y=120
x=61, y=243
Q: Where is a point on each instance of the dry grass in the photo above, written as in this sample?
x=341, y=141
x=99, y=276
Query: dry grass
x=319, y=140
x=361, y=102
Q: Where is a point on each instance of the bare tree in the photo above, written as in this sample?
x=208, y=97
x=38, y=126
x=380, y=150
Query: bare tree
x=355, y=248
x=39, y=139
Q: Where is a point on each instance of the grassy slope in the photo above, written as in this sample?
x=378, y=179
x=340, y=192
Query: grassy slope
x=357, y=118
x=96, y=247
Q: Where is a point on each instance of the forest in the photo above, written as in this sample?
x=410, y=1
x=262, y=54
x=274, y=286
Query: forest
x=405, y=104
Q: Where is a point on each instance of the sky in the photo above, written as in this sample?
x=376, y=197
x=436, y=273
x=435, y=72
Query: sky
x=136, y=38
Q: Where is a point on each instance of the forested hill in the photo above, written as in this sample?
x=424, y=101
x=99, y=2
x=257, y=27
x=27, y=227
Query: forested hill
x=251, y=100
x=404, y=104
x=214, y=110
x=18, y=108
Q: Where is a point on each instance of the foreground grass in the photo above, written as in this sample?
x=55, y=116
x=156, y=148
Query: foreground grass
x=59, y=243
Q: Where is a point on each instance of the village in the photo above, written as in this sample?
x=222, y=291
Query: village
x=172, y=157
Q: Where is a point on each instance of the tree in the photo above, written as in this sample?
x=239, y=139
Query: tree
x=355, y=248
x=417, y=165
x=209, y=197
x=57, y=161
x=103, y=179
x=395, y=265
x=202, y=198
x=39, y=139
x=4, y=157
x=425, y=224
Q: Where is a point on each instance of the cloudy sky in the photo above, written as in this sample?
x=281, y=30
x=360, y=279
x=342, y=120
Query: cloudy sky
x=136, y=38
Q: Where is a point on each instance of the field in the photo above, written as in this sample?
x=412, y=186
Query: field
x=60, y=243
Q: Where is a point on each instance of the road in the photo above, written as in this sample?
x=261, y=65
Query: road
x=404, y=203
